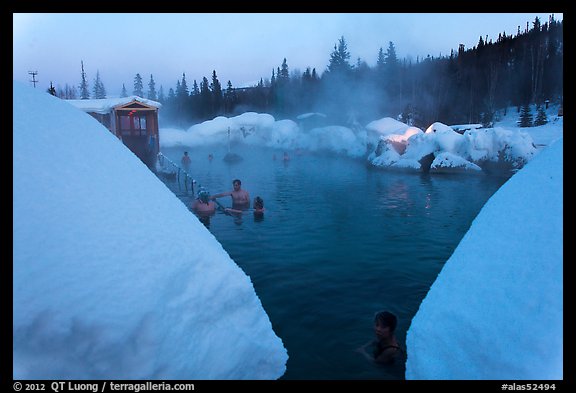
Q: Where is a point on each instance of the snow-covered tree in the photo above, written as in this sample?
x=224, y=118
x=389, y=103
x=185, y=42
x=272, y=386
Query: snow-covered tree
x=525, y=116
x=138, y=86
x=541, y=117
x=99, y=90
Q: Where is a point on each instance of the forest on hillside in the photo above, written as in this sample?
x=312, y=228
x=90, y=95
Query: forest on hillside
x=467, y=86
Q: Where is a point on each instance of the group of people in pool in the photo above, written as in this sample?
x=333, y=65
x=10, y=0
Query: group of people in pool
x=206, y=203
x=384, y=348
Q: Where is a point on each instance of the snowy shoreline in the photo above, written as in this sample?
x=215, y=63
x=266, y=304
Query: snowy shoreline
x=386, y=143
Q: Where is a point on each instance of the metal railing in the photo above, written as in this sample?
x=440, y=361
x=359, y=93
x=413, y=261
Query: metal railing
x=169, y=169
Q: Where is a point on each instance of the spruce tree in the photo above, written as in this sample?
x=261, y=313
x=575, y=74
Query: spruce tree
x=392, y=72
x=205, y=98
x=541, y=117
x=338, y=81
x=171, y=94
x=525, y=116
x=281, y=89
x=170, y=108
x=51, y=90
x=123, y=93
x=216, y=88
x=99, y=90
x=195, y=90
x=195, y=100
x=339, y=58
x=307, y=75
x=183, y=91
x=381, y=60
x=480, y=43
x=391, y=57
x=84, y=93
x=103, y=89
x=138, y=86
x=182, y=98
x=152, y=89
x=229, y=98
x=284, y=73
x=96, y=86
x=177, y=92
x=70, y=92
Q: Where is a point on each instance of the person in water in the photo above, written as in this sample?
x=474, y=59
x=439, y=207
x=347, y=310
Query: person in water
x=240, y=197
x=202, y=204
x=258, y=207
x=385, y=348
x=185, y=159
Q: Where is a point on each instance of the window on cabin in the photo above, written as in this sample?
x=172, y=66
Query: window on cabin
x=133, y=124
x=140, y=124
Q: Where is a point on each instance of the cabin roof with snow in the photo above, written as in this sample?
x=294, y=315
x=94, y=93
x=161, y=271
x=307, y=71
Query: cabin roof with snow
x=106, y=105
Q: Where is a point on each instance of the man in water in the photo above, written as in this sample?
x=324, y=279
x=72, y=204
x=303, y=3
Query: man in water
x=240, y=197
x=185, y=160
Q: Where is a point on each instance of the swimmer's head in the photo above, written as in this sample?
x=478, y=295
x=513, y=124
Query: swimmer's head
x=386, y=319
x=203, y=195
x=258, y=203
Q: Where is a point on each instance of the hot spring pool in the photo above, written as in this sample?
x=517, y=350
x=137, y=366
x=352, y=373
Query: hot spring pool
x=339, y=242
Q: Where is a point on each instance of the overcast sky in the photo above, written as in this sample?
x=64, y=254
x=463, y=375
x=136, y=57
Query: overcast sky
x=241, y=47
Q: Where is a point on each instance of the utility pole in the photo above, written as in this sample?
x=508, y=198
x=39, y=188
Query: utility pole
x=33, y=73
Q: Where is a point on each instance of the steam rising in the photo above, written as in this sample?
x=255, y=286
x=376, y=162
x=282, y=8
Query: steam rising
x=385, y=142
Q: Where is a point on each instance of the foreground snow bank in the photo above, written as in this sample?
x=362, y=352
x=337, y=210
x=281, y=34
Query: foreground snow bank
x=113, y=276
x=472, y=323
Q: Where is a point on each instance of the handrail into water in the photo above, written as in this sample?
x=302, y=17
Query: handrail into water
x=187, y=177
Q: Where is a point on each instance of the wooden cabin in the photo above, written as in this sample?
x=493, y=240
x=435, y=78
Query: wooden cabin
x=134, y=120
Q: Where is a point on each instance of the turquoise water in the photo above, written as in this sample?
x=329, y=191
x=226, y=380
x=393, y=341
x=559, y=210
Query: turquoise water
x=339, y=241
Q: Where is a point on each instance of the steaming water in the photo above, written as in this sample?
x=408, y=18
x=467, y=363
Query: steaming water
x=339, y=242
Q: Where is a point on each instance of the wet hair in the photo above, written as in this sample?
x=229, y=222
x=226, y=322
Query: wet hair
x=386, y=318
x=236, y=181
x=258, y=203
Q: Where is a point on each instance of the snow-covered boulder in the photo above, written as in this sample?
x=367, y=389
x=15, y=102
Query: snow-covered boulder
x=498, y=150
x=446, y=162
